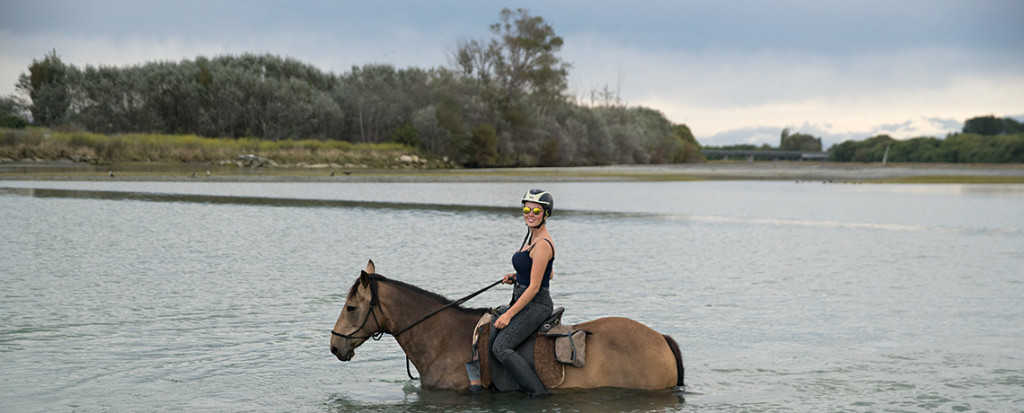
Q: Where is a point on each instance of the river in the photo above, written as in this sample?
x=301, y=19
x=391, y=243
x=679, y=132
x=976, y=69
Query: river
x=783, y=296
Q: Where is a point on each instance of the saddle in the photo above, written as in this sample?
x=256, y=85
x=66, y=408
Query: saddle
x=539, y=350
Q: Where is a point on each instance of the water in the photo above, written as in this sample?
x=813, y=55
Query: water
x=782, y=296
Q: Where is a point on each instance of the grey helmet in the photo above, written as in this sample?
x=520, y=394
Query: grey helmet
x=542, y=197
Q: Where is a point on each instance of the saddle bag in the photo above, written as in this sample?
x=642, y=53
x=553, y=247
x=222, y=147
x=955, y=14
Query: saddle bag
x=570, y=344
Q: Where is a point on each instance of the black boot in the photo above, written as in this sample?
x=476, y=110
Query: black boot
x=525, y=376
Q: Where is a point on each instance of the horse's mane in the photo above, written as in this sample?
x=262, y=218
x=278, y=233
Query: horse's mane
x=440, y=299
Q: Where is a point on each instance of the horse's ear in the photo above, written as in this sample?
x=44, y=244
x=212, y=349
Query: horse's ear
x=370, y=269
x=364, y=278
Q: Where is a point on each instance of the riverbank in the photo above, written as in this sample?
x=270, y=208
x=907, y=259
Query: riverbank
x=785, y=171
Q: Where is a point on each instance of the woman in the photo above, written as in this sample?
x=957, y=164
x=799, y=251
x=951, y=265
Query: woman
x=531, y=301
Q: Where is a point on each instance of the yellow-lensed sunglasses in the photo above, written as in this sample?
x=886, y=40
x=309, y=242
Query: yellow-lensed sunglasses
x=536, y=211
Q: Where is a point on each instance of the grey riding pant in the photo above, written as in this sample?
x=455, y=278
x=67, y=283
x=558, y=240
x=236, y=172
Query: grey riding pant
x=524, y=323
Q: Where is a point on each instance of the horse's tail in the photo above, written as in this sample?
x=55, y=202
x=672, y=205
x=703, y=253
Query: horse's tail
x=680, y=370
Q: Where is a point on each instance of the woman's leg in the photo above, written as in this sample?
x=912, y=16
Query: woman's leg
x=523, y=324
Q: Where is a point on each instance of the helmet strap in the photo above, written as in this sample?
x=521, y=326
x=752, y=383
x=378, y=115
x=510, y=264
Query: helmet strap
x=541, y=224
x=529, y=233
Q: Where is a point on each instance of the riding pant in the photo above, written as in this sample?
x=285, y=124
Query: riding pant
x=526, y=322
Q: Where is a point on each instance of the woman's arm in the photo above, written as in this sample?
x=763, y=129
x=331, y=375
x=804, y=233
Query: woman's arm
x=541, y=254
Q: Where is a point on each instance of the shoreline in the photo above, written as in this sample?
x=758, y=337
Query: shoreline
x=709, y=171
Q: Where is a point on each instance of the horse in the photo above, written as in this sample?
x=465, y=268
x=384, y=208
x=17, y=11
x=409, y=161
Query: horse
x=620, y=353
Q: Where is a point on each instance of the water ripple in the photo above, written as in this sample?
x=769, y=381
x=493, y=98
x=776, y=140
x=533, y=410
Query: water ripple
x=816, y=298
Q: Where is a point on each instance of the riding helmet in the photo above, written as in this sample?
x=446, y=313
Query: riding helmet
x=541, y=197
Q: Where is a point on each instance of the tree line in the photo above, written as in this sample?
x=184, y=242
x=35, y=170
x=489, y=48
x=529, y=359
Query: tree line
x=501, y=102
x=983, y=139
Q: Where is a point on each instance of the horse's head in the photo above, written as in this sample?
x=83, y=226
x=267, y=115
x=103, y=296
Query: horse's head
x=360, y=319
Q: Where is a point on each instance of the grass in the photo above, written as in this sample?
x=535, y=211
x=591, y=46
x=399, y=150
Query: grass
x=45, y=144
x=159, y=156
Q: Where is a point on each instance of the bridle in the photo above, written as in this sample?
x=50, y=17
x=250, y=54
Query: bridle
x=375, y=303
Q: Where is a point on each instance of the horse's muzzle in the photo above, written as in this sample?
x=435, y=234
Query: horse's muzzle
x=346, y=356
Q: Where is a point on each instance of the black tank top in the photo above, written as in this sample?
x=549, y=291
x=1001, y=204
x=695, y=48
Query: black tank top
x=523, y=264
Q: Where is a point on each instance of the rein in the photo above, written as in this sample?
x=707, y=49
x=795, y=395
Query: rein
x=449, y=305
x=375, y=302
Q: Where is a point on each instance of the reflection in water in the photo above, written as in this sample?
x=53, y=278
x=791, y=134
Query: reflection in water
x=220, y=199
x=583, y=401
x=279, y=201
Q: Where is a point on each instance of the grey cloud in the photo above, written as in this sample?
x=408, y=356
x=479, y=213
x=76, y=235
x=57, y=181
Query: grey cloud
x=902, y=126
x=756, y=135
x=831, y=28
x=724, y=55
x=951, y=124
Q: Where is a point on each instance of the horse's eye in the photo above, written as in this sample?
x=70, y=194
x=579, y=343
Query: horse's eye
x=351, y=308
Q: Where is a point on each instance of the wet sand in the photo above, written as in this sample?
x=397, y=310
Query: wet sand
x=787, y=171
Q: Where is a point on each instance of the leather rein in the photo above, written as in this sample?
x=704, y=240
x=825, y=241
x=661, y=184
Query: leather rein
x=375, y=303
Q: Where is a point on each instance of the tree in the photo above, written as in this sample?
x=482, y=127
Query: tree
x=920, y=149
x=507, y=105
x=10, y=113
x=48, y=85
x=116, y=100
x=1011, y=126
x=991, y=125
x=406, y=135
x=689, y=150
x=983, y=125
x=869, y=150
x=9, y=106
x=520, y=59
x=484, y=146
x=799, y=142
x=371, y=97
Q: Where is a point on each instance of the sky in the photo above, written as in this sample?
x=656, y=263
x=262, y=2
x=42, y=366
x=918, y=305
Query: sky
x=733, y=71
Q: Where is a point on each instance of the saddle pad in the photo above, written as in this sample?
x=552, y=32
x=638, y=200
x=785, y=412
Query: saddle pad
x=550, y=371
x=486, y=319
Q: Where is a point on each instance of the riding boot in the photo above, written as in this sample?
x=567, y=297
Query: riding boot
x=525, y=376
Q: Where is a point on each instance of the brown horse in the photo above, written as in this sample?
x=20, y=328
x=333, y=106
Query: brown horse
x=620, y=353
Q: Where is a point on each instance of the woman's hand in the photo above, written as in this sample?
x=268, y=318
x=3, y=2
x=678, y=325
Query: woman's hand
x=502, y=321
x=510, y=278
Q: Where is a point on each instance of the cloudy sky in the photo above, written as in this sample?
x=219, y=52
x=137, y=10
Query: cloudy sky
x=734, y=71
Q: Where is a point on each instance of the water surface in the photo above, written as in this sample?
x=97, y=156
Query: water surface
x=782, y=296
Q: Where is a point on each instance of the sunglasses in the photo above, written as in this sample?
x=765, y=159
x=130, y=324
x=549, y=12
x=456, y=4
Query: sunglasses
x=536, y=211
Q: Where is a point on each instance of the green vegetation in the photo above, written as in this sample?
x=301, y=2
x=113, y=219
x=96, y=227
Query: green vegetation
x=96, y=148
x=991, y=125
x=9, y=118
x=503, y=102
x=985, y=139
x=799, y=142
x=959, y=148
